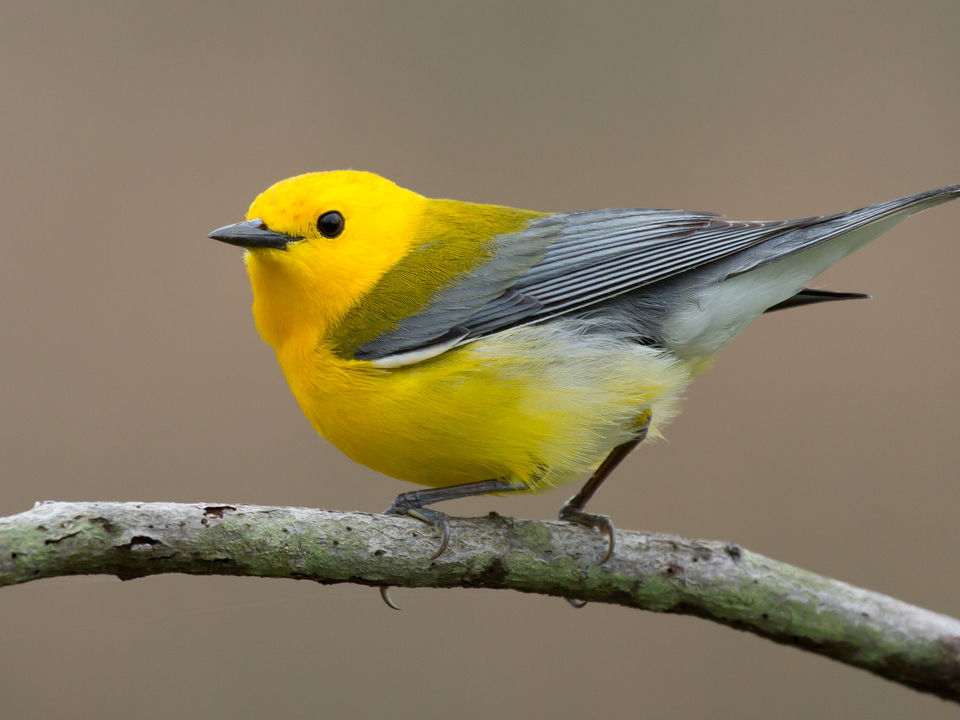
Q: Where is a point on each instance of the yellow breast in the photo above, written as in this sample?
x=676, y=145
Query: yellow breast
x=539, y=405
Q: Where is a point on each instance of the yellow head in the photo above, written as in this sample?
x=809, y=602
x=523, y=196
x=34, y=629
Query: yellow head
x=301, y=287
x=339, y=256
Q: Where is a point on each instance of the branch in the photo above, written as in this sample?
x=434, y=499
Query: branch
x=713, y=580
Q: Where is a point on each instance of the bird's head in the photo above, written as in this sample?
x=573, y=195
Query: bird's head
x=337, y=258
x=317, y=243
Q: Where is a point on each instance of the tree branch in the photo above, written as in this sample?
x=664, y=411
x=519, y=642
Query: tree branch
x=713, y=580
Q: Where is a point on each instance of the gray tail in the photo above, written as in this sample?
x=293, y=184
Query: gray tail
x=808, y=296
x=816, y=231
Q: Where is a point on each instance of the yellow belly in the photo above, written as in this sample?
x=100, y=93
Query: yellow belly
x=538, y=405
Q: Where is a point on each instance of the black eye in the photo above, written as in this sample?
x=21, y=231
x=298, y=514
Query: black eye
x=330, y=224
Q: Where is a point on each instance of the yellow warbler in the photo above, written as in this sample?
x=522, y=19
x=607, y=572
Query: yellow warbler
x=482, y=349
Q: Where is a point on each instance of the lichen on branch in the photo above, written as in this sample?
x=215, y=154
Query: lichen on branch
x=714, y=580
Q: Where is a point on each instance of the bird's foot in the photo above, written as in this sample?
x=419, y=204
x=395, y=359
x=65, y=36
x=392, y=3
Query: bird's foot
x=571, y=513
x=410, y=504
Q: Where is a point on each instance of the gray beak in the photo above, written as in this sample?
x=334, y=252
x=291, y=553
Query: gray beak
x=252, y=234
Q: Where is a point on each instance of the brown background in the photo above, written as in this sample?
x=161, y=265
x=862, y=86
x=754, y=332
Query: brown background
x=131, y=370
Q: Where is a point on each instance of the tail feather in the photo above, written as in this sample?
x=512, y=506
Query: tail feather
x=720, y=301
x=883, y=216
x=809, y=296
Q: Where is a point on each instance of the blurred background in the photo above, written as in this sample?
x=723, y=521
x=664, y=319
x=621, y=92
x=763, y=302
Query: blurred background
x=130, y=368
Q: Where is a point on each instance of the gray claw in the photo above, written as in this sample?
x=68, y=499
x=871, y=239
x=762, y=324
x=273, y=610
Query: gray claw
x=600, y=522
x=445, y=536
x=385, y=594
x=611, y=533
x=438, y=520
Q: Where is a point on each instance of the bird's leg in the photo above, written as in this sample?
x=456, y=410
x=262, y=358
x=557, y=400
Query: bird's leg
x=573, y=509
x=412, y=504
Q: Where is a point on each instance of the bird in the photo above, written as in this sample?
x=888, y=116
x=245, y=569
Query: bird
x=480, y=349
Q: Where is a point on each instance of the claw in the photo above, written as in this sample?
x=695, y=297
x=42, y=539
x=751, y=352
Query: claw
x=440, y=521
x=385, y=594
x=576, y=603
x=600, y=522
x=444, y=538
x=611, y=532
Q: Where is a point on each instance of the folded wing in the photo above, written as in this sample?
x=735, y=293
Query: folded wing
x=566, y=262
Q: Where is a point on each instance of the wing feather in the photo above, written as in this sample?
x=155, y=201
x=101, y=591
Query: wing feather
x=563, y=261
x=566, y=262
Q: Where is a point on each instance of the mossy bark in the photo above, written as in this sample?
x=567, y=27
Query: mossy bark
x=713, y=580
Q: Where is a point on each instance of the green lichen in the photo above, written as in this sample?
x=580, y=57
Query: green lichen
x=741, y=589
x=536, y=537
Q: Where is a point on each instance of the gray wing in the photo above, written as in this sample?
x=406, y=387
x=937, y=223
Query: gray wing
x=597, y=257
x=569, y=262
x=564, y=262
